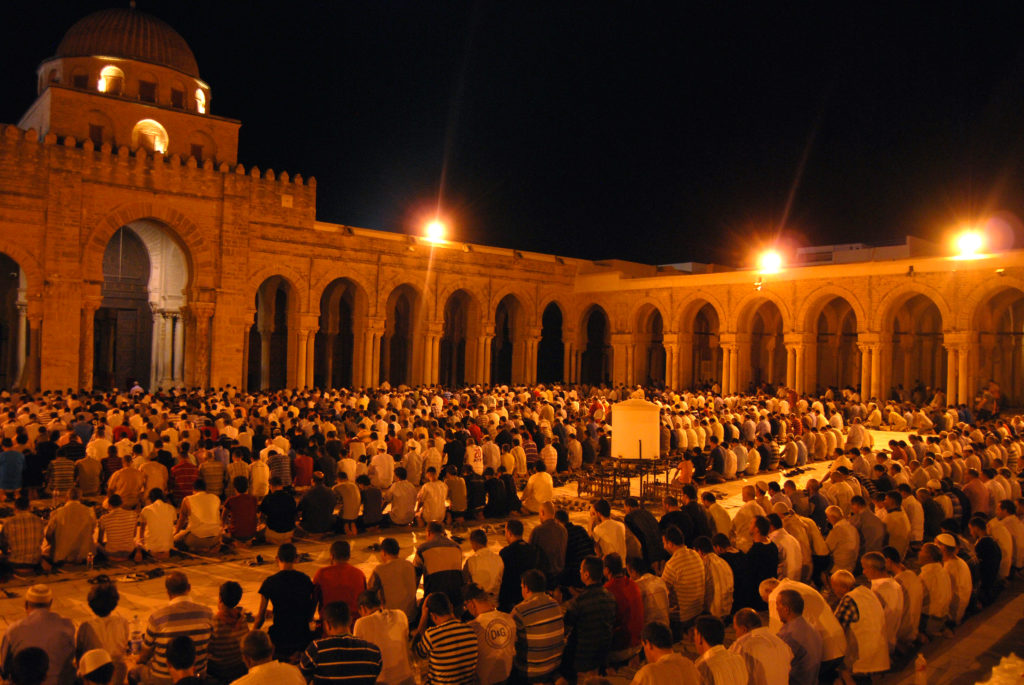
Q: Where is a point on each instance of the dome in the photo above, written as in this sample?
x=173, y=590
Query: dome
x=130, y=34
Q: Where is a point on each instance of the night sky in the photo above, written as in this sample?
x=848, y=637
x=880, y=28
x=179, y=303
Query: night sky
x=659, y=133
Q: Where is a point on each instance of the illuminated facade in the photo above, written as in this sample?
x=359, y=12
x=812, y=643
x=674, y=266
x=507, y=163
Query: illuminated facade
x=135, y=246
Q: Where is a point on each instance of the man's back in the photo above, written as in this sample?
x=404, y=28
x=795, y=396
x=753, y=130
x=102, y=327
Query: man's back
x=340, y=582
x=341, y=658
x=179, y=617
x=451, y=651
x=49, y=631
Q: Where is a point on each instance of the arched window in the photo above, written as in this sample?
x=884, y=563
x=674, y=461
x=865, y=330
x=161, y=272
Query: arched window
x=200, y=101
x=111, y=80
x=150, y=135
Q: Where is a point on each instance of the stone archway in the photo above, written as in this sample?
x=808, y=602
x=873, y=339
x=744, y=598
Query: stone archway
x=649, y=361
x=508, y=349
x=139, y=328
x=457, y=349
x=273, y=321
x=401, y=328
x=340, y=336
x=596, y=360
x=999, y=322
x=551, y=348
x=14, y=339
x=706, y=358
x=917, y=365
x=766, y=351
x=837, y=361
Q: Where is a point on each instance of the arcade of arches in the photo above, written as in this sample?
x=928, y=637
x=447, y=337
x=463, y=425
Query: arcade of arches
x=170, y=264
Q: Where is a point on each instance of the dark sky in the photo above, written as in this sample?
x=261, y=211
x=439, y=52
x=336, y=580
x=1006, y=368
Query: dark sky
x=657, y=132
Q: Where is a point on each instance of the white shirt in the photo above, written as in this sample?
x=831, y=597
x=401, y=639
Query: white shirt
x=721, y=667
x=203, y=514
x=540, y=488
x=938, y=591
x=766, y=654
x=671, y=668
x=159, y=518
x=496, y=646
x=890, y=594
x=389, y=630
x=610, y=536
x=790, y=555
x=402, y=495
x=272, y=673
x=382, y=470
x=844, y=543
x=432, y=495
x=485, y=568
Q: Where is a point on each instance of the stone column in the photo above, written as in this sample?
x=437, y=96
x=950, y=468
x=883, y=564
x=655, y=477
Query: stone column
x=865, y=371
x=301, y=336
x=963, y=379
x=801, y=371
x=156, y=361
x=877, y=389
x=202, y=313
x=370, y=373
x=726, y=369
x=86, y=353
x=567, y=362
x=31, y=380
x=310, y=357
x=734, y=368
x=790, y=366
x=951, y=364
x=671, y=365
x=22, y=349
x=265, y=334
x=244, y=384
x=435, y=358
x=684, y=362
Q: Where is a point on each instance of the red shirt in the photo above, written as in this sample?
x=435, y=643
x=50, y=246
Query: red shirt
x=339, y=583
x=242, y=516
x=303, y=471
x=629, y=612
x=184, y=475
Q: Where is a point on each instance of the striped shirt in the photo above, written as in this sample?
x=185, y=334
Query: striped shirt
x=451, y=650
x=180, y=617
x=62, y=474
x=118, y=527
x=684, y=575
x=341, y=659
x=183, y=476
x=540, y=635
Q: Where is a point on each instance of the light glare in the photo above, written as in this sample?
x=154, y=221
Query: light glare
x=435, y=231
x=770, y=262
x=970, y=242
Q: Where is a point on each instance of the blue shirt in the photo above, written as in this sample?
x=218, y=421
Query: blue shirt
x=12, y=463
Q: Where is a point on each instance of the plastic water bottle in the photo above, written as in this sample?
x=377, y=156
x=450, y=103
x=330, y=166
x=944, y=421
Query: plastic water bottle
x=135, y=639
x=920, y=670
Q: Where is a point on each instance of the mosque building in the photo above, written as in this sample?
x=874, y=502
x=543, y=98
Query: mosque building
x=134, y=245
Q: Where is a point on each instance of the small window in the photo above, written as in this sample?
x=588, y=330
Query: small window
x=197, y=152
x=177, y=98
x=53, y=78
x=96, y=134
x=200, y=101
x=111, y=81
x=80, y=80
x=150, y=135
x=147, y=91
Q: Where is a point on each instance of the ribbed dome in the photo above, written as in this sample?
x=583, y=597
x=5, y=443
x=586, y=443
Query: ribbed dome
x=130, y=34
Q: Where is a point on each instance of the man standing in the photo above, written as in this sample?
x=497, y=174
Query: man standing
x=590, y=619
x=684, y=575
x=46, y=630
x=180, y=617
x=609, y=535
x=290, y=593
x=496, y=636
x=340, y=655
x=860, y=614
x=767, y=656
x=448, y=645
x=804, y=641
x=483, y=566
x=518, y=557
x=540, y=630
x=389, y=630
x=339, y=582
x=550, y=537
x=716, y=664
x=664, y=665
x=394, y=579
